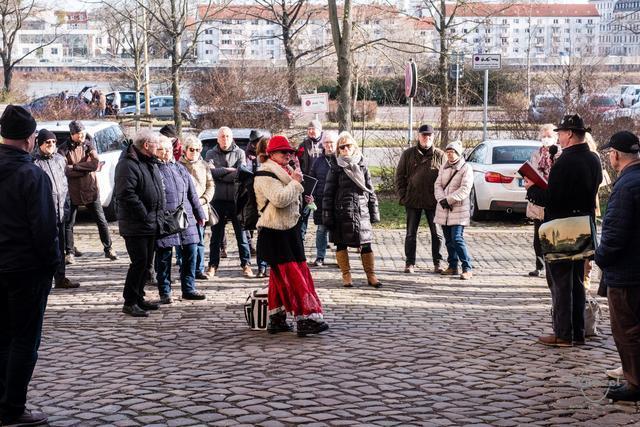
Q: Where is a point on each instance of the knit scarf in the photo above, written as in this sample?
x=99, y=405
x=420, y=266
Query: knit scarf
x=351, y=167
x=544, y=164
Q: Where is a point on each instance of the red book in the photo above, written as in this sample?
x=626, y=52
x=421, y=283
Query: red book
x=528, y=171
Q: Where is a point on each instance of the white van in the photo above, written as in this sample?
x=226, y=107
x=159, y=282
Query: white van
x=109, y=140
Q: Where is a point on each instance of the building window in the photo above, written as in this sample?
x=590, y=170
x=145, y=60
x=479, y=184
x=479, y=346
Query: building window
x=54, y=51
x=225, y=42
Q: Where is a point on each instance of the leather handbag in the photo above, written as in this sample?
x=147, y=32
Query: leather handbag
x=174, y=221
x=568, y=239
x=214, y=218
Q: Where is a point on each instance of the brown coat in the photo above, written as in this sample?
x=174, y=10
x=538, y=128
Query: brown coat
x=415, y=176
x=82, y=164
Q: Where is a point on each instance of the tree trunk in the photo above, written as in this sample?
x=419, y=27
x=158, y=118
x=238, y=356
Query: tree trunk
x=443, y=65
x=175, y=88
x=344, y=90
x=292, y=86
x=8, y=76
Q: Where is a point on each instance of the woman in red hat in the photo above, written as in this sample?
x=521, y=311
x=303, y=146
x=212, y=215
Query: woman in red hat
x=279, y=195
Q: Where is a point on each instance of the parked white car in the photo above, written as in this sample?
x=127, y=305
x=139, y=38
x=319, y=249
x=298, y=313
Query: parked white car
x=632, y=113
x=497, y=186
x=109, y=140
x=630, y=96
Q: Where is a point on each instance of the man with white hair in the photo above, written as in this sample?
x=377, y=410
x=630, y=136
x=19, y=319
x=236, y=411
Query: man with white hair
x=224, y=160
x=141, y=202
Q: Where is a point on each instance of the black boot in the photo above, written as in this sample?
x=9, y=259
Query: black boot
x=278, y=323
x=309, y=326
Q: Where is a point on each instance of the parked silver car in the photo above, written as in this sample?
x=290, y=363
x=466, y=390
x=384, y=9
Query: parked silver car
x=161, y=107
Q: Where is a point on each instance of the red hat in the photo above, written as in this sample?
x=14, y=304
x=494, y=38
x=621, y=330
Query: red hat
x=279, y=143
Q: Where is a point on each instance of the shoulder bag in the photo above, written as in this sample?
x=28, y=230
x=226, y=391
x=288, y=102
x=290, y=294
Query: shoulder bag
x=176, y=220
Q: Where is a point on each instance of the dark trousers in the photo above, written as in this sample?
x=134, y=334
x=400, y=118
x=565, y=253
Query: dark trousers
x=536, y=245
x=140, y=249
x=23, y=299
x=624, y=311
x=413, y=223
x=60, y=273
x=565, y=279
x=304, y=222
x=101, y=221
x=226, y=212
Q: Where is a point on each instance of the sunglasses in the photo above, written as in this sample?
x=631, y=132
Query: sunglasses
x=195, y=150
x=345, y=147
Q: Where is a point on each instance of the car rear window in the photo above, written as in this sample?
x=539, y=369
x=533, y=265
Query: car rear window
x=508, y=154
x=109, y=139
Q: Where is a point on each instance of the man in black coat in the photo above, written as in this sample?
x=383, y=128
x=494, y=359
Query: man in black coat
x=619, y=258
x=141, y=202
x=29, y=255
x=308, y=151
x=572, y=188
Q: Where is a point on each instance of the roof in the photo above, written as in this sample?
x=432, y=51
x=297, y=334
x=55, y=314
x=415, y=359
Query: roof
x=251, y=12
x=523, y=10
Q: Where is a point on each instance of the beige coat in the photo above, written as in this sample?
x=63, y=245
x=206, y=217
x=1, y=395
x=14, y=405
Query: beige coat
x=456, y=193
x=204, y=183
x=283, y=194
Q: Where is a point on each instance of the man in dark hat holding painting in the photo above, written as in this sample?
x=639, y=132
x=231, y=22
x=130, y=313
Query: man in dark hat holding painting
x=573, y=185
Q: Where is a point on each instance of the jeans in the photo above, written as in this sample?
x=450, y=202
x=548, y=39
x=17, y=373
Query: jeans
x=200, y=251
x=456, y=247
x=187, y=269
x=60, y=273
x=413, y=223
x=565, y=279
x=226, y=212
x=536, y=245
x=141, y=250
x=322, y=238
x=103, y=228
x=23, y=300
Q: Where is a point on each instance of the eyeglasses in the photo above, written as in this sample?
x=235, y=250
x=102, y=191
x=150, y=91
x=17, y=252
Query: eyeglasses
x=345, y=147
x=195, y=150
x=50, y=142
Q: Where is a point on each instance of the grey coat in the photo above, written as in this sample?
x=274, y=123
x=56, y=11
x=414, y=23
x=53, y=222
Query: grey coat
x=54, y=166
x=225, y=180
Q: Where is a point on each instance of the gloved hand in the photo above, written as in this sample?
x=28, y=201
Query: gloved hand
x=445, y=204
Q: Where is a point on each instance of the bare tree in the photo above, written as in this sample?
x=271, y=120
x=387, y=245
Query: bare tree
x=341, y=33
x=13, y=14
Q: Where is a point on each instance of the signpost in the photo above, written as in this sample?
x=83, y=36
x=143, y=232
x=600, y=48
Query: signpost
x=315, y=102
x=456, y=71
x=410, y=90
x=486, y=62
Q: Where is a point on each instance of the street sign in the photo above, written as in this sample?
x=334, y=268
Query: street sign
x=410, y=80
x=486, y=61
x=456, y=71
x=315, y=102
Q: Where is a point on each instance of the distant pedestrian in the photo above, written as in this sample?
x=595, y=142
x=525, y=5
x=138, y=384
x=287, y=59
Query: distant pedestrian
x=452, y=190
x=54, y=165
x=141, y=204
x=29, y=256
x=102, y=104
x=171, y=132
x=415, y=178
x=619, y=258
x=350, y=208
x=82, y=164
x=308, y=152
x=291, y=287
x=541, y=159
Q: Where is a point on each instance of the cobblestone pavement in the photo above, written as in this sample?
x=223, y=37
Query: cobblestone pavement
x=421, y=350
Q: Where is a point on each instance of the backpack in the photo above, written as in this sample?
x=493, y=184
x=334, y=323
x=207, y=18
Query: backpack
x=245, y=198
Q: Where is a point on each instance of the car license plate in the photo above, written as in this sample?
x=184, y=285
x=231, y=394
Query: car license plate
x=520, y=182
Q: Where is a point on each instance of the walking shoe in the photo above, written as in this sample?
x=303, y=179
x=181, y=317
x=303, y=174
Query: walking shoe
x=466, y=275
x=553, y=341
x=278, y=323
x=195, y=296
x=247, y=272
x=409, y=268
x=450, y=272
x=76, y=252
x=134, y=311
x=201, y=276
x=148, y=305
x=27, y=418
x=69, y=259
x=319, y=262
x=166, y=299
x=211, y=271
x=626, y=393
x=437, y=269
x=223, y=253
x=110, y=254
x=66, y=284
x=309, y=326
x=615, y=374
x=262, y=272
x=535, y=273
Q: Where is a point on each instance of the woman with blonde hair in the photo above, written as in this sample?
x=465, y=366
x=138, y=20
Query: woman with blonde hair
x=350, y=207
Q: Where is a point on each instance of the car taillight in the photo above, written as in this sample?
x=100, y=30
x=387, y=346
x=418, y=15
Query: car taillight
x=497, y=178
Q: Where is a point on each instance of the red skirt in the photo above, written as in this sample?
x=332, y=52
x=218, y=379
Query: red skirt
x=291, y=286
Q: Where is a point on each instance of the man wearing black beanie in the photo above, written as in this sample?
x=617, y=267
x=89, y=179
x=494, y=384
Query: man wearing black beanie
x=29, y=255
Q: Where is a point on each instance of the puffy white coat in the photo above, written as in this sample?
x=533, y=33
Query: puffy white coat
x=284, y=195
x=456, y=193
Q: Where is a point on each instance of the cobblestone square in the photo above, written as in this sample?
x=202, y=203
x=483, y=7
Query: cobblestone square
x=422, y=350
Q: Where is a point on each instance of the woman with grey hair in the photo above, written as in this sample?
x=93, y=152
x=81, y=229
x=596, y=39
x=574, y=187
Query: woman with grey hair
x=141, y=203
x=205, y=188
x=179, y=191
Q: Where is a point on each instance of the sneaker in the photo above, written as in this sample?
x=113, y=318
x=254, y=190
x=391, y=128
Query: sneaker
x=262, y=272
x=319, y=262
x=166, y=299
x=535, y=273
x=201, y=276
x=409, y=269
x=437, y=269
x=148, y=305
x=466, y=275
x=626, y=393
x=110, y=254
x=194, y=296
x=27, y=418
x=69, y=259
x=66, y=284
x=553, y=341
x=223, y=253
x=309, y=326
x=278, y=323
x=134, y=311
x=616, y=374
x=450, y=272
x=247, y=272
x=76, y=252
x=211, y=271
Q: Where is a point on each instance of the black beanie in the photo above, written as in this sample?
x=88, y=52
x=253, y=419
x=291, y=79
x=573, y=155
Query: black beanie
x=45, y=135
x=16, y=123
x=169, y=131
x=76, y=126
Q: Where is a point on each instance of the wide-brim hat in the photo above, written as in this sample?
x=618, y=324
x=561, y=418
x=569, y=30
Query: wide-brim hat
x=572, y=122
x=279, y=143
